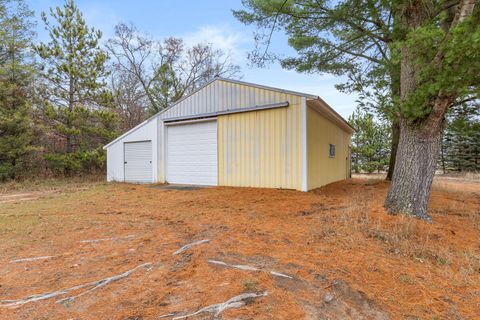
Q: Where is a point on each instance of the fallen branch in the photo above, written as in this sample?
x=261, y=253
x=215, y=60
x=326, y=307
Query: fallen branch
x=248, y=268
x=278, y=274
x=166, y=315
x=31, y=259
x=235, y=266
x=235, y=302
x=95, y=285
x=188, y=246
x=108, y=239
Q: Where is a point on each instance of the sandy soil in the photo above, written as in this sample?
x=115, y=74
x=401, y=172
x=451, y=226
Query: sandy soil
x=328, y=254
x=20, y=197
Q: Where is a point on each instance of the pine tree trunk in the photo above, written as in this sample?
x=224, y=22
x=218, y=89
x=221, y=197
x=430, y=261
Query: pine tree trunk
x=419, y=140
x=417, y=156
x=394, y=148
x=69, y=138
x=442, y=156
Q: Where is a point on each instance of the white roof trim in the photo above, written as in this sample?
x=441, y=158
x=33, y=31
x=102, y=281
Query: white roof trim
x=138, y=126
x=321, y=106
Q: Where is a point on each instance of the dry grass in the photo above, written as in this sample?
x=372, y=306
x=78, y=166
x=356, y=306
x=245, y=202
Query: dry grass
x=50, y=184
x=446, y=247
x=461, y=176
x=452, y=176
x=410, y=268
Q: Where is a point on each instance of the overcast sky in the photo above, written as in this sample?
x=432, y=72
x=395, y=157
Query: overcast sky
x=204, y=21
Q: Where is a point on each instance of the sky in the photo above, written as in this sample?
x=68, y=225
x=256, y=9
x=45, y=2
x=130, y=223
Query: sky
x=208, y=21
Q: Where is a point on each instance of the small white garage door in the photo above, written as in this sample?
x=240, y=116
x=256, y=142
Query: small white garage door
x=138, y=161
x=192, y=153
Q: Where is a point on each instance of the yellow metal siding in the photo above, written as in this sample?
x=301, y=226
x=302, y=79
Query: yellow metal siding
x=320, y=134
x=261, y=148
x=264, y=148
x=222, y=96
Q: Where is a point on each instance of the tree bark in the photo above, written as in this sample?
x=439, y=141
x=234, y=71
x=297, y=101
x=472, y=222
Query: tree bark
x=417, y=156
x=69, y=137
x=394, y=148
x=442, y=157
x=419, y=140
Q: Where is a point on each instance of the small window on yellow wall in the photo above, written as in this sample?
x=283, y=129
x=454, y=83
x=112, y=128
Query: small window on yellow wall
x=332, y=151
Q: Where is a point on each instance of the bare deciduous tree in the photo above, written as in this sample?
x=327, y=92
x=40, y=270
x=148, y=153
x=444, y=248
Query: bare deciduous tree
x=166, y=70
x=129, y=97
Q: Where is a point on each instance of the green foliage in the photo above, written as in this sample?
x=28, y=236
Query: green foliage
x=369, y=40
x=447, y=64
x=461, y=141
x=15, y=129
x=370, y=144
x=76, y=106
x=87, y=161
x=16, y=69
x=346, y=38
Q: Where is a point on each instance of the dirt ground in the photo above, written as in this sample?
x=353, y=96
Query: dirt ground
x=331, y=253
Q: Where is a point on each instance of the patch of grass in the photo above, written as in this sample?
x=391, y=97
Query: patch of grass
x=470, y=266
x=41, y=217
x=406, y=279
x=18, y=229
x=400, y=235
x=15, y=223
x=250, y=285
x=464, y=176
x=50, y=184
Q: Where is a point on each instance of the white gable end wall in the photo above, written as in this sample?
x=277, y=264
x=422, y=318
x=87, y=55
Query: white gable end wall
x=148, y=131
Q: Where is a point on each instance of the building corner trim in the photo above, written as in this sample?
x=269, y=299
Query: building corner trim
x=304, y=145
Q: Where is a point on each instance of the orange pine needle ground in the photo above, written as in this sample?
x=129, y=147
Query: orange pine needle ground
x=408, y=268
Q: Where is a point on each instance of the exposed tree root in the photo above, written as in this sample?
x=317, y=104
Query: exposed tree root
x=108, y=239
x=166, y=315
x=95, y=285
x=31, y=259
x=278, y=274
x=248, y=268
x=188, y=246
x=235, y=302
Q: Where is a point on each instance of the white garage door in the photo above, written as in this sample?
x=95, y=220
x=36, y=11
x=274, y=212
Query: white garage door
x=192, y=153
x=138, y=161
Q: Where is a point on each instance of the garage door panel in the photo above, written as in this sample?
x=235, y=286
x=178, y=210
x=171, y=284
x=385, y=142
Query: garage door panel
x=138, y=161
x=192, y=153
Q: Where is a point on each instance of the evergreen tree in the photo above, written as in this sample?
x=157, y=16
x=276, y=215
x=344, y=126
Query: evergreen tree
x=76, y=104
x=461, y=141
x=15, y=75
x=370, y=143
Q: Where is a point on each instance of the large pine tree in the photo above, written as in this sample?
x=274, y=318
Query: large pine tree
x=75, y=102
x=16, y=128
x=431, y=60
